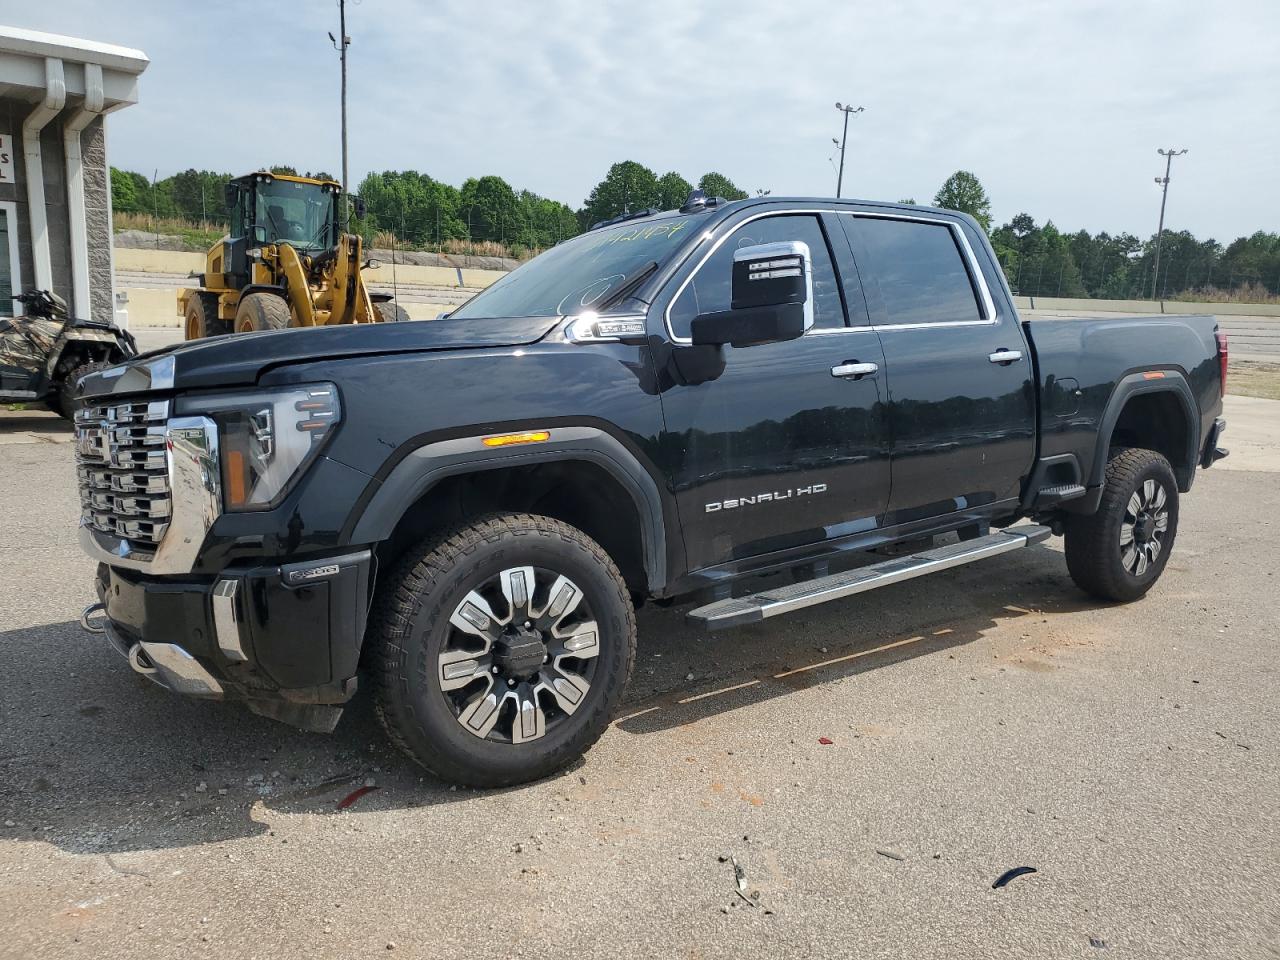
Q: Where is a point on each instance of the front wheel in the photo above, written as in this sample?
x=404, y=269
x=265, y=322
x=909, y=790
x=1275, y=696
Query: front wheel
x=390, y=312
x=65, y=398
x=1119, y=552
x=261, y=311
x=502, y=648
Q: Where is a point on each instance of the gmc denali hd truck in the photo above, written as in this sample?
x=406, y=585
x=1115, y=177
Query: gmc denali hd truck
x=465, y=512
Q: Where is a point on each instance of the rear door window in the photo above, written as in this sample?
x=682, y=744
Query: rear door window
x=709, y=291
x=919, y=269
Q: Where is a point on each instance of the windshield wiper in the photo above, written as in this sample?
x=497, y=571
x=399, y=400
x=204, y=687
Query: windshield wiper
x=627, y=286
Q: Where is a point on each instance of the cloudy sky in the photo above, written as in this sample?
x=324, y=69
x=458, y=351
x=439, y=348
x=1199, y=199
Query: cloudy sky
x=1058, y=107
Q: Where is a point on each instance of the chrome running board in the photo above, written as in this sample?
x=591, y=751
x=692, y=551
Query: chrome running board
x=736, y=611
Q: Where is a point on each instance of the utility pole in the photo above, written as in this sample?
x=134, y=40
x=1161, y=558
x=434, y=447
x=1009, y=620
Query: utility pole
x=1164, y=195
x=341, y=47
x=844, y=139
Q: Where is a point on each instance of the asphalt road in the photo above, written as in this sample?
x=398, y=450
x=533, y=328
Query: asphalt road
x=986, y=718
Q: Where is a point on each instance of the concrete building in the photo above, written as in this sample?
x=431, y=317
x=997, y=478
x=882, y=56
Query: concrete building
x=55, y=184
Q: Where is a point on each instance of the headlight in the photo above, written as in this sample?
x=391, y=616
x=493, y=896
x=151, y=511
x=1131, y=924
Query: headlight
x=268, y=437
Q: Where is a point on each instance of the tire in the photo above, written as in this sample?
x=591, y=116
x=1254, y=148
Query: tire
x=390, y=312
x=201, y=318
x=1120, y=551
x=65, y=398
x=415, y=623
x=261, y=311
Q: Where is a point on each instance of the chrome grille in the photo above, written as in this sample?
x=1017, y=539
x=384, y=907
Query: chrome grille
x=122, y=468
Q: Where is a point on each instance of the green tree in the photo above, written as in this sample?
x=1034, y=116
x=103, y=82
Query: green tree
x=488, y=204
x=199, y=194
x=963, y=191
x=673, y=191
x=718, y=185
x=130, y=192
x=627, y=187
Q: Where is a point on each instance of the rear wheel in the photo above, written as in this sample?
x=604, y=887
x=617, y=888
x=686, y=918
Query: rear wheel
x=1120, y=551
x=261, y=311
x=502, y=648
x=201, y=318
x=390, y=312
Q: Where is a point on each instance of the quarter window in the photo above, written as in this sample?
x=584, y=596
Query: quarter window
x=709, y=291
x=919, y=268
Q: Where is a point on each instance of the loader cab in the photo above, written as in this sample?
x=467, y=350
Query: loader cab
x=274, y=208
x=266, y=208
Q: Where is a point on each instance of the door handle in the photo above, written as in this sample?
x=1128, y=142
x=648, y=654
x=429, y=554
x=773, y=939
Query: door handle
x=853, y=370
x=1005, y=356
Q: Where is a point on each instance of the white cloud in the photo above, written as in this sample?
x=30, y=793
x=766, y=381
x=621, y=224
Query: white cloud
x=1058, y=107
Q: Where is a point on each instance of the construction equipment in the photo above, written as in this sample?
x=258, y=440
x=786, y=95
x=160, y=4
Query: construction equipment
x=286, y=262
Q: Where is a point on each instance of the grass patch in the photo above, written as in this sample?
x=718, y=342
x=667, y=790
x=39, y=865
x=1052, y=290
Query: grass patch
x=1252, y=292
x=1251, y=378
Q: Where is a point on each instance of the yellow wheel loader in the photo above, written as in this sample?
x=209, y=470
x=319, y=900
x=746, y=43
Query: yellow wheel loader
x=284, y=263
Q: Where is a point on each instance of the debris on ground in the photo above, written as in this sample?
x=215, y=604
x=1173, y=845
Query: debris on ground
x=1098, y=942
x=1013, y=874
x=740, y=886
x=892, y=855
x=354, y=795
x=826, y=741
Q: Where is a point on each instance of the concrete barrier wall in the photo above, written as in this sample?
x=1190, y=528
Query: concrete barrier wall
x=158, y=307
x=158, y=261
x=169, y=261
x=1085, y=305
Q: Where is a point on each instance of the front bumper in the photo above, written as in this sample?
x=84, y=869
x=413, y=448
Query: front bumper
x=285, y=639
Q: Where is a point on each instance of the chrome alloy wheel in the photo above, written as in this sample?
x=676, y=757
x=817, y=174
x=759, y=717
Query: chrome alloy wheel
x=520, y=655
x=1145, y=523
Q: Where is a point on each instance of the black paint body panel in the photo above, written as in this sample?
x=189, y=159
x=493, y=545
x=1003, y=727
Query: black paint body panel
x=724, y=447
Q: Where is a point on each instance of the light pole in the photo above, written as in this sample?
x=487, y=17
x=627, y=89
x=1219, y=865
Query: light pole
x=341, y=47
x=844, y=139
x=1164, y=195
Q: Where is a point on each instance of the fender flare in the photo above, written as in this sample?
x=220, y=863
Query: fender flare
x=425, y=466
x=1138, y=384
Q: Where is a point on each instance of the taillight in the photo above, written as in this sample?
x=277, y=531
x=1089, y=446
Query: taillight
x=1222, y=360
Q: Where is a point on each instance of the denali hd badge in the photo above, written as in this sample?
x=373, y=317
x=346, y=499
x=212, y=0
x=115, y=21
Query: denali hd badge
x=766, y=497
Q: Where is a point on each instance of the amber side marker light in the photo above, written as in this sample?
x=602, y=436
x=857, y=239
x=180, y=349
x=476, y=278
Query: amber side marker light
x=510, y=439
x=1153, y=375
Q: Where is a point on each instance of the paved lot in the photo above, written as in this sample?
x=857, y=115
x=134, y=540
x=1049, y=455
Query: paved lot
x=983, y=719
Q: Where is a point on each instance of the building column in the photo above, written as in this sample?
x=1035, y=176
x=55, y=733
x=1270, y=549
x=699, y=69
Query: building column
x=54, y=100
x=81, y=304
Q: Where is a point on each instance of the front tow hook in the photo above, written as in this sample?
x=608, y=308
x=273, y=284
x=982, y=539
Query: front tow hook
x=90, y=625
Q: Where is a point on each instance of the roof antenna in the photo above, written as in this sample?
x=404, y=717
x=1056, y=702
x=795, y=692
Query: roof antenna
x=696, y=200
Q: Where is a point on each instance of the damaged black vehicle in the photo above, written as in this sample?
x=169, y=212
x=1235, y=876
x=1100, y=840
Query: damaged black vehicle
x=464, y=513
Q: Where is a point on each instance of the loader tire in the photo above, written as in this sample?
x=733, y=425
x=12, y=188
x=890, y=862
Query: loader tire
x=391, y=312
x=261, y=311
x=201, y=318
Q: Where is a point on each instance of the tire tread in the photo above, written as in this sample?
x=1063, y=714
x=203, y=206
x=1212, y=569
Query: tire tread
x=400, y=600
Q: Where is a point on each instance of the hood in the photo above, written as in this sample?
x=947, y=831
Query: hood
x=240, y=359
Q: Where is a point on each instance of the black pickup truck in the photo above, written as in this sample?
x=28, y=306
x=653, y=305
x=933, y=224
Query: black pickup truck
x=466, y=511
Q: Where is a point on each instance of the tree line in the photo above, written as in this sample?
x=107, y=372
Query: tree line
x=421, y=211
x=1038, y=258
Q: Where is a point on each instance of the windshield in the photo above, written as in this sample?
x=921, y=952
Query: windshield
x=580, y=273
x=300, y=214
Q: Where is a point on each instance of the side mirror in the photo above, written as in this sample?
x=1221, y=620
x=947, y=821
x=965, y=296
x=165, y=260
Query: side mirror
x=371, y=264
x=361, y=208
x=259, y=234
x=230, y=194
x=771, y=298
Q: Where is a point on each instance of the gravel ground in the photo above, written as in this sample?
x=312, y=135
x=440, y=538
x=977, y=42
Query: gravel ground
x=986, y=718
